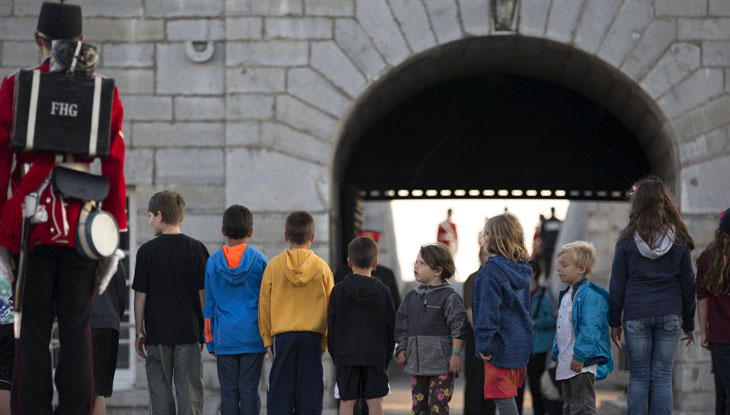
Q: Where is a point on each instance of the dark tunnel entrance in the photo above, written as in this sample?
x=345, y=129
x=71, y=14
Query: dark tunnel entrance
x=506, y=126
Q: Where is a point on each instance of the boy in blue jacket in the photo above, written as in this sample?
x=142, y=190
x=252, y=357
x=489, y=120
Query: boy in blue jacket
x=582, y=346
x=232, y=285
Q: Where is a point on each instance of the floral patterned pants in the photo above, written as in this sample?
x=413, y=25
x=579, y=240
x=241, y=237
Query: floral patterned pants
x=432, y=394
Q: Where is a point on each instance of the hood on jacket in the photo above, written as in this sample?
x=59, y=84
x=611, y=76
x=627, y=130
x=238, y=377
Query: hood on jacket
x=362, y=289
x=518, y=274
x=239, y=274
x=422, y=289
x=662, y=244
x=300, y=266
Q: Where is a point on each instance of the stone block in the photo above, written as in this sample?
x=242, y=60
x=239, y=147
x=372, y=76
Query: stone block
x=705, y=146
x=475, y=16
x=180, y=134
x=375, y=18
x=309, y=86
x=329, y=60
x=413, y=20
x=176, y=8
x=128, y=55
x=563, y=19
x=282, y=184
x=719, y=8
x=709, y=116
x=264, y=8
x=147, y=108
x=195, y=30
x=680, y=7
x=698, y=88
x=283, y=139
x=20, y=54
x=199, y=108
x=139, y=166
x=198, y=199
x=533, y=17
x=658, y=36
x=702, y=182
x=298, y=28
x=355, y=43
x=267, y=53
x=303, y=117
x=329, y=7
x=716, y=53
x=176, y=74
x=189, y=166
x=130, y=30
x=255, y=80
x=708, y=28
x=678, y=62
x=132, y=81
x=239, y=134
x=91, y=8
x=597, y=17
x=249, y=107
x=244, y=28
x=444, y=19
x=268, y=228
x=6, y=7
x=15, y=28
x=205, y=228
x=632, y=18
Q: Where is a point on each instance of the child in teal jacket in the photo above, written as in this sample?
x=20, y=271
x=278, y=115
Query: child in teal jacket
x=590, y=325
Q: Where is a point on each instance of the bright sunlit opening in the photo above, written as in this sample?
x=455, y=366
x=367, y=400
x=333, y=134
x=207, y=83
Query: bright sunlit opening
x=416, y=223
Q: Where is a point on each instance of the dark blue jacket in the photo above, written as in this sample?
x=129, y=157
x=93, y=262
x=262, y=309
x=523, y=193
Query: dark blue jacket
x=589, y=318
x=501, y=307
x=643, y=287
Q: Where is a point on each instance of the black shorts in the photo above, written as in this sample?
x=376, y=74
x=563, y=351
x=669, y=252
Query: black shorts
x=361, y=382
x=106, y=348
x=7, y=360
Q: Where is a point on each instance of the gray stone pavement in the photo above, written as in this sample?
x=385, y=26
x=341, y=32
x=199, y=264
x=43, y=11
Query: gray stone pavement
x=135, y=402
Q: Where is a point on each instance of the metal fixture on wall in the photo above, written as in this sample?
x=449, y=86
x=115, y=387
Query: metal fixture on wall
x=505, y=13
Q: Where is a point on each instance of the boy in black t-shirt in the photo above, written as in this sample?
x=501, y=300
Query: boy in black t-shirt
x=361, y=323
x=169, y=285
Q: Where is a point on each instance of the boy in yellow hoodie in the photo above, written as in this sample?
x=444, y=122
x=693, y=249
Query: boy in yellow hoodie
x=295, y=293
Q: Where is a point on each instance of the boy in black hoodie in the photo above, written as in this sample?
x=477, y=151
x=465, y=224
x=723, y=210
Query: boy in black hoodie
x=361, y=321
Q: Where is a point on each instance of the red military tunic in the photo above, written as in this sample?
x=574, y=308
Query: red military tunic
x=60, y=229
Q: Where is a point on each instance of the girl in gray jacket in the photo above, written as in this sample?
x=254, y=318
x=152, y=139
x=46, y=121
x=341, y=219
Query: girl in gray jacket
x=430, y=329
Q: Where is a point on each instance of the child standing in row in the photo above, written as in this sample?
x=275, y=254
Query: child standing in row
x=293, y=303
x=232, y=285
x=713, y=301
x=360, y=330
x=430, y=329
x=502, y=322
x=582, y=344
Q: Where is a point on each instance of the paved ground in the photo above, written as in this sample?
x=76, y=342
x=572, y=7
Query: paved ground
x=135, y=402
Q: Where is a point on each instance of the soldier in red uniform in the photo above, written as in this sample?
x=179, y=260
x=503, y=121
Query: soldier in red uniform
x=59, y=282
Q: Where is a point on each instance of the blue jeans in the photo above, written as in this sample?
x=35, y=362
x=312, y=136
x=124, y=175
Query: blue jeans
x=650, y=346
x=239, y=376
x=721, y=363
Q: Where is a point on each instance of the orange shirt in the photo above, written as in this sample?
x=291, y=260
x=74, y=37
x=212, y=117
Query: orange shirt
x=234, y=254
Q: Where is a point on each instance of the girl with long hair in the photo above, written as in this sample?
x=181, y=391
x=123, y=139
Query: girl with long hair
x=713, y=301
x=652, y=285
x=502, y=321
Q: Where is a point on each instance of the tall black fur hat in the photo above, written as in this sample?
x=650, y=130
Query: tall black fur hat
x=725, y=221
x=60, y=21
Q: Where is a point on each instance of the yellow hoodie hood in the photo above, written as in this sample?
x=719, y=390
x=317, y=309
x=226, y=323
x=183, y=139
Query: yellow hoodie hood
x=301, y=265
x=295, y=291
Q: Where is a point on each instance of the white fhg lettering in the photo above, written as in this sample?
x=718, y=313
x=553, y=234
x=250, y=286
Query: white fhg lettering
x=64, y=109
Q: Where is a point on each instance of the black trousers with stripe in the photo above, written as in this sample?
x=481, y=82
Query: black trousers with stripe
x=59, y=283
